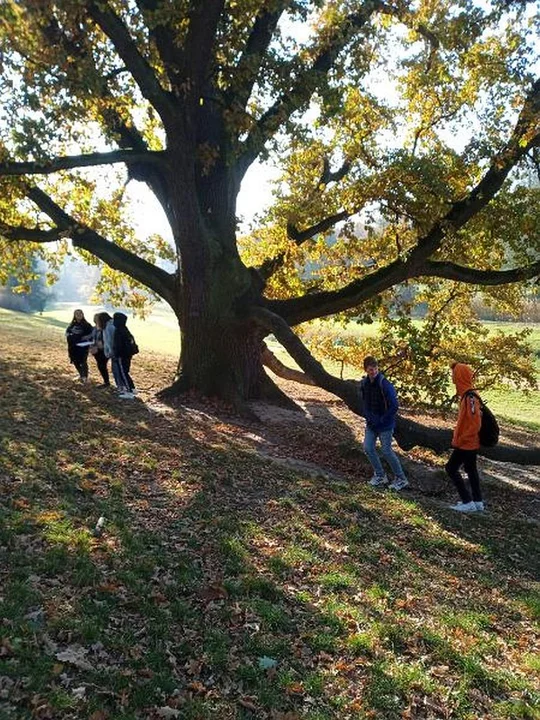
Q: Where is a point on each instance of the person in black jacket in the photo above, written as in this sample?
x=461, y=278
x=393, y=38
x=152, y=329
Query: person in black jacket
x=78, y=331
x=124, y=347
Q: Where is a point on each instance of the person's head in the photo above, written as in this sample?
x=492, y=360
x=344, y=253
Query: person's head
x=371, y=366
x=102, y=319
x=119, y=320
x=96, y=319
x=462, y=377
x=78, y=315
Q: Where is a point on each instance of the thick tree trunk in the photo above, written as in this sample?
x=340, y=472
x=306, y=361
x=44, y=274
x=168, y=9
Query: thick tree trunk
x=222, y=359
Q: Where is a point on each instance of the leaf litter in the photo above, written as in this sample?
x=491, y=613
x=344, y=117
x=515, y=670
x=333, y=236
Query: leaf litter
x=223, y=584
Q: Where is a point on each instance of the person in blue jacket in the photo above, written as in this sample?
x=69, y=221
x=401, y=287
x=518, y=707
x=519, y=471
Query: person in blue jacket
x=380, y=406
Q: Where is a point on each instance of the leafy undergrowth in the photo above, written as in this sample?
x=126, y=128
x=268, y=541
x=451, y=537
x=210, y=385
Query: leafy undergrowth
x=227, y=585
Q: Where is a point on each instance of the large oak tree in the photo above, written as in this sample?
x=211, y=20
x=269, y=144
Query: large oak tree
x=421, y=112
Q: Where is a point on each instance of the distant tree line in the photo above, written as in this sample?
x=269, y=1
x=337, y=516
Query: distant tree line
x=75, y=282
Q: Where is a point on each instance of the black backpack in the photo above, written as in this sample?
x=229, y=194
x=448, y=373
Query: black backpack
x=133, y=347
x=489, y=429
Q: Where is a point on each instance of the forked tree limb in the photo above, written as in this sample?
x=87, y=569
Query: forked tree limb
x=271, y=361
x=408, y=433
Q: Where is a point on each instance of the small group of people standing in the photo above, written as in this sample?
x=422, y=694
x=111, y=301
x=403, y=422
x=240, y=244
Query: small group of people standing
x=380, y=406
x=109, y=339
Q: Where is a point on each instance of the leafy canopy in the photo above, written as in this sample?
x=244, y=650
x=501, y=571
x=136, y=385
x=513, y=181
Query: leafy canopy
x=394, y=124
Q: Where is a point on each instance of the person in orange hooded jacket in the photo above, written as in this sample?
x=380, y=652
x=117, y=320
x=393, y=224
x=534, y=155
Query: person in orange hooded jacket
x=466, y=442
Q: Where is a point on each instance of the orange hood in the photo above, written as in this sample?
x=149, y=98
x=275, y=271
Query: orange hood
x=462, y=376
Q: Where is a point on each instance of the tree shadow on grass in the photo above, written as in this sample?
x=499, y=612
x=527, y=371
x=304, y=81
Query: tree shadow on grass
x=224, y=586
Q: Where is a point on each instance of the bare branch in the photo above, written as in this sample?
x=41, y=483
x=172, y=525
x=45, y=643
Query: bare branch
x=78, y=161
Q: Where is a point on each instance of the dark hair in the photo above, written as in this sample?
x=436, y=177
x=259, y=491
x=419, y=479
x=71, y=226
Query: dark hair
x=74, y=319
x=370, y=361
x=103, y=319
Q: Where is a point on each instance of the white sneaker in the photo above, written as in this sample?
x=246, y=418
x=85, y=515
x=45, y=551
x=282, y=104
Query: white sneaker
x=377, y=480
x=469, y=507
x=127, y=396
x=480, y=506
x=399, y=483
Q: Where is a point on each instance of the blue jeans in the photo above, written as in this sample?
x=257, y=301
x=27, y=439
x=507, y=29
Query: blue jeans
x=370, y=439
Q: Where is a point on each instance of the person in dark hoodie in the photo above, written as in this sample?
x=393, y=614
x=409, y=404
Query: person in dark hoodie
x=79, y=331
x=123, y=349
x=466, y=442
x=380, y=406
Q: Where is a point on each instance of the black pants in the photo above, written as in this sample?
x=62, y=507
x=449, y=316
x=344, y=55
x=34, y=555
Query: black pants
x=80, y=360
x=101, y=361
x=121, y=367
x=467, y=458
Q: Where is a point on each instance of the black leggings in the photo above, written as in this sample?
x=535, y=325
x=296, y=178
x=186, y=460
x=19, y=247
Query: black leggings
x=467, y=458
x=101, y=361
x=81, y=363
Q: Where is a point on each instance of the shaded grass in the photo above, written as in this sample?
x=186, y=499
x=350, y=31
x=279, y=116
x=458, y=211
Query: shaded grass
x=228, y=587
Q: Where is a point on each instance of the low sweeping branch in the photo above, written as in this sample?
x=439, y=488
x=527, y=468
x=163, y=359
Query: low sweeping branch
x=408, y=433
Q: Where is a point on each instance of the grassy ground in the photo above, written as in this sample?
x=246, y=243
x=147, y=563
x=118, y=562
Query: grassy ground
x=225, y=585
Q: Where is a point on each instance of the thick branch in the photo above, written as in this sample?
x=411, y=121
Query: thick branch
x=77, y=161
x=524, y=137
x=18, y=232
x=248, y=67
x=138, y=66
x=408, y=433
x=451, y=271
x=321, y=304
x=271, y=361
x=305, y=83
x=164, y=38
x=113, y=255
x=300, y=236
x=200, y=39
x=345, y=389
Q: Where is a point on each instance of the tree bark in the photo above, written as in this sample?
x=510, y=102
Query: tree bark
x=409, y=433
